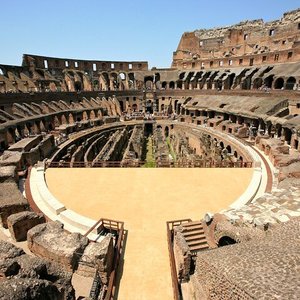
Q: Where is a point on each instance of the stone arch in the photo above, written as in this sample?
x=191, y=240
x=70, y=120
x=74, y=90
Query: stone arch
x=92, y=115
x=228, y=148
x=288, y=135
x=36, y=127
x=131, y=81
x=179, y=84
x=95, y=84
x=229, y=81
x=148, y=82
x=122, y=76
x=114, y=82
x=257, y=83
x=56, y=122
x=30, y=128
x=246, y=84
x=20, y=131
x=10, y=136
x=63, y=119
x=121, y=105
x=172, y=85
x=42, y=126
x=167, y=131
x=78, y=86
x=85, y=116
x=278, y=129
x=123, y=81
x=50, y=127
x=69, y=83
x=71, y=119
x=134, y=107
x=269, y=81
x=104, y=81
x=176, y=107
x=279, y=83
x=226, y=240
x=290, y=83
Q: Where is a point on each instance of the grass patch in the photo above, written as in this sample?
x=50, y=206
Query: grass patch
x=150, y=161
x=171, y=150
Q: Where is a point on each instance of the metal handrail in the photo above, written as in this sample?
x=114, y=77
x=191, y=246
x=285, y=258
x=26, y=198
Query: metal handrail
x=181, y=164
x=119, y=227
x=170, y=235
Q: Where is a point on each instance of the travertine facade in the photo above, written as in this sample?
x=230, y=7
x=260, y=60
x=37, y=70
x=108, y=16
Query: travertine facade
x=245, y=44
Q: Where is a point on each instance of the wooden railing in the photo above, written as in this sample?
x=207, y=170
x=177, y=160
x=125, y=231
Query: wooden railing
x=116, y=227
x=170, y=236
x=161, y=164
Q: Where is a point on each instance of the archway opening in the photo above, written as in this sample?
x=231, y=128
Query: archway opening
x=149, y=107
x=225, y=241
x=257, y=83
x=290, y=83
x=279, y=83
x=269, y=81
x=78, y=86
x=166, y=131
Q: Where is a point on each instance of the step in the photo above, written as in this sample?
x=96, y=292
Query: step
x=199, y=247
x=192, y=224
x=185, y=229
x=193, y=243
x=195, y=237
x=193, y=232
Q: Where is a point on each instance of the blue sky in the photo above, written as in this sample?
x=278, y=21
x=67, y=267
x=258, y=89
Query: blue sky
x=118, y=29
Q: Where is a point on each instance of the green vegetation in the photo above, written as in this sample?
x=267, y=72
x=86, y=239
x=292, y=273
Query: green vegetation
x=150, y=160
x=171, y=150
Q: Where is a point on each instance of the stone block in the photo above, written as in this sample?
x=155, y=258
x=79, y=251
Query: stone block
x=18, y=224
x=52, y=242
x=11, y=201
x=98, y=256
x=8, y=174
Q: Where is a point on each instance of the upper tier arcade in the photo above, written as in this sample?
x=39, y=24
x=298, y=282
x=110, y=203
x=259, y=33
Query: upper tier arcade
x=54, y=63
x=245, y=44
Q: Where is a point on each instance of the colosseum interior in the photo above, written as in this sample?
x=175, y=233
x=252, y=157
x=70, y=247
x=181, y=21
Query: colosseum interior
x=122, y=182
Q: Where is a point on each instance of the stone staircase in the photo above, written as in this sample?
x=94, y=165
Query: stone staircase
x=194, y=236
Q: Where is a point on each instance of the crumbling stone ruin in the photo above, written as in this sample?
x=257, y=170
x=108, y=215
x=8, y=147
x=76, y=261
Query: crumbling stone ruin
x=245, y=44
x=230, y=99
x=24, y=276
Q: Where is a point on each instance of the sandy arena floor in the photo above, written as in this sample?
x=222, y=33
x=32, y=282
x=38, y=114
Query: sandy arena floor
x=145, y=199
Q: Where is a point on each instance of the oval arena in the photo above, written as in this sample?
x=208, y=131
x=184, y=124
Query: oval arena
x=121, y=182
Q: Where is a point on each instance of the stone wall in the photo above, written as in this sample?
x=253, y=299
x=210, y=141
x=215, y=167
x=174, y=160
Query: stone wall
x=183, y=256
x=263, y=268
x=245, y=44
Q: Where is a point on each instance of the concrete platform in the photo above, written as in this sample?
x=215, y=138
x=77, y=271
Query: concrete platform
x=145, y=199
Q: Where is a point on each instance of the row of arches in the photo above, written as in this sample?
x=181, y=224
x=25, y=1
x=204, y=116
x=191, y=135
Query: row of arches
x=279, y=83
x=49, y=123
x=251, y=127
